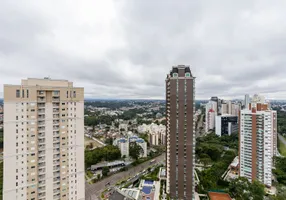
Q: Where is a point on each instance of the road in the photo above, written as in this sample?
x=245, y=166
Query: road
x=93, y=191
x=200, y=124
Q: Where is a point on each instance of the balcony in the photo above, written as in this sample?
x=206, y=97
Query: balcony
x=56, y=140
x=56, y=99
x=56, y=122
x=41, y=189
x=56, y=151
x=41, y=195
x=42, y=171
x=40, y=124
x=56, y=168
x=42, y=183
x=56, y=157
x=41, y=105
x=41, y=160
x=57, y=145
x=41, y=147
x=41, y=135
x=56, y=110
x=56, y=105
x=41, y=153
x=41, y=117
x=41, y=99
x=56, y=162
x=41, y=165
x=56, y=116
x=41, y=141
x=56, y=128
x=42, y=177
x=56, y=133
x=57, y=179
x=41, y=111
x=56, y=174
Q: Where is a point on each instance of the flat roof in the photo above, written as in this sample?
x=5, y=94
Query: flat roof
x=219, y=196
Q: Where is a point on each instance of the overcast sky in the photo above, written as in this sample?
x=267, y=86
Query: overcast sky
x=124, y=49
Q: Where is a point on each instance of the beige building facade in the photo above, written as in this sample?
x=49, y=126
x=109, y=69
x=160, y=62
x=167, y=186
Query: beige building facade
x=44, y=140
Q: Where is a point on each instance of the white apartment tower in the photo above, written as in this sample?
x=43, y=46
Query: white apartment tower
x=257, y=142
x=44, y=141
x=211, y=112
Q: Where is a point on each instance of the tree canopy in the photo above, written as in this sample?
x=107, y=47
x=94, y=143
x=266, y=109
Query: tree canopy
x=242, y=189
x=107, y=153
x=135, y=150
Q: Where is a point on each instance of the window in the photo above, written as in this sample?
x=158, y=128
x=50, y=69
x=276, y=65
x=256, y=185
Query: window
x=18, y=93
x=67, y=94
x=27, y=93
x=187, y=74
x=23, y=93
x=74, y=94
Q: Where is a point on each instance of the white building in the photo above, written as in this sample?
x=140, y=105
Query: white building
x=211, y=112
x=258, y=141
x=246, y=101
x=157, y=133
x=44, y=140
x=124, y=143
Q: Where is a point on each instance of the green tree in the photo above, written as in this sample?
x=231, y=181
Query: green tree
x=109, y=141
x=91, y=121
x=135, y=150
x=242, y=189
x=105, y=171
x=98, y=176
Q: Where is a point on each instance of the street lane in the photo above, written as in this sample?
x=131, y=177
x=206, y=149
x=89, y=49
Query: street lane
x=93, y=191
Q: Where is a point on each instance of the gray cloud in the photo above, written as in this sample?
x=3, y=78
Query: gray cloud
x=125, y=48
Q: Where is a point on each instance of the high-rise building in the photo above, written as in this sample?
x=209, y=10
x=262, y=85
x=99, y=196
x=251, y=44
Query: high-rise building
x=180, y=133
x=257, y=141
x=44, y=140
x=211, y=112
x=246, y=101
x=226, y=125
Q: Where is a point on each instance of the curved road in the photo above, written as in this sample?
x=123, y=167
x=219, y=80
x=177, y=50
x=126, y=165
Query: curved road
x=93, y=191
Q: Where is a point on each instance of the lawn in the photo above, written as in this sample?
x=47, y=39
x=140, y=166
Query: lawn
x=282, y=148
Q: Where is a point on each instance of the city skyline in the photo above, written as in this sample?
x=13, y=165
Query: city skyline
x=115, y=49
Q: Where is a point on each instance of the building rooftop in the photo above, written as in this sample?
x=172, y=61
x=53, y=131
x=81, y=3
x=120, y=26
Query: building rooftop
x=219, y=196
x=134, y=193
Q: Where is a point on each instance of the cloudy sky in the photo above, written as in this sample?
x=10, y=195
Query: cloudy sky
x=125, y=48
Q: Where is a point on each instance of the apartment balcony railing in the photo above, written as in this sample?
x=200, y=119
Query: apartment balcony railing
x=42, y=171
x=41, y=153
x=41, y=195
x=56, y=122
x=41, y=147
x=41, y=111
x=56, y=110
x=56, y=116
x=55, y=99
x=41, y=105
x=41, y=99
x=41, y=141
x=57, y=179
x=42, y=177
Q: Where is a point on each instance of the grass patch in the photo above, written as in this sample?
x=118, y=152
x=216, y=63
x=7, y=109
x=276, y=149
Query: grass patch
x=281, y=147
